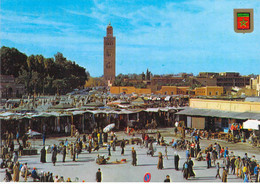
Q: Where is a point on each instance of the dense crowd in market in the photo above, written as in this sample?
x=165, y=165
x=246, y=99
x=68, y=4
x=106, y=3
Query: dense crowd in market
x=214, y=155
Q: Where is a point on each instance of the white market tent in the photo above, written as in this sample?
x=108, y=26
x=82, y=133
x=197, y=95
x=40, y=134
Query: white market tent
x=251, y=124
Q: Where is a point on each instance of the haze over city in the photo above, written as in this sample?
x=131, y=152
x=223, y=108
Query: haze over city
x=164, y=36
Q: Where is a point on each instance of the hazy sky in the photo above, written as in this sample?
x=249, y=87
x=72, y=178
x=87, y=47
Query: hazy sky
x=164, y=36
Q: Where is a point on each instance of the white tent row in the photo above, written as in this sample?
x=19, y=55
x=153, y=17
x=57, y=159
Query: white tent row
x=165, y=109
x=251, y=124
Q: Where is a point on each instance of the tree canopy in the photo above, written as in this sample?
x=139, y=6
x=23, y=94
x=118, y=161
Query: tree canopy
x=42, y=75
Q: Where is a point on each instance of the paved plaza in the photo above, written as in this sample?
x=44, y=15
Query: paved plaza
x=85, y=167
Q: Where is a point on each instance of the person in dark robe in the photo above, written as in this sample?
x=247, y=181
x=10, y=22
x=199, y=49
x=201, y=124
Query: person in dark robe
x=98, y=176
x=176, y=161
x=123, y=147
x=109, y=149
x=160, y=161
x=167, y=179
x=134, y=159
x=105, y=137
x=84, y=138
x=208, y=159
x=185, y=170
x=64, y=153
x=54, y=154
x=8, y=177
x=43, y=155
x=74, y=153
x=24, y=139
x=50, y=177
x=190, y=168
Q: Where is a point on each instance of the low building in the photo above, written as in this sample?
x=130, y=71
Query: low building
x=218, y=114
x=129, y=90
x=174, y=90
x=209, y=91
x=255, y=85
x=9, y=88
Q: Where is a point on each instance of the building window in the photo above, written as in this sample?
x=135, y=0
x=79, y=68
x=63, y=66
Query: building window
x=216, y=93
x=165, y=93
x=172, y=93
x=209, y=93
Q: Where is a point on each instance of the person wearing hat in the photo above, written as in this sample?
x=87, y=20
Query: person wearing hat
x=98, y=176
x=134, y=157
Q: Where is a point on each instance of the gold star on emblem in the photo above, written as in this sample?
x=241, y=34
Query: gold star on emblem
x=243, y=23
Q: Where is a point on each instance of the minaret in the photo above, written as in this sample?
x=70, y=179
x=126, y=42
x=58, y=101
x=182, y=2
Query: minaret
x=109, y=55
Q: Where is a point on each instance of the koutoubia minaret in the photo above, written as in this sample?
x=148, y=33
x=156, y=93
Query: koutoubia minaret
x=109, y=55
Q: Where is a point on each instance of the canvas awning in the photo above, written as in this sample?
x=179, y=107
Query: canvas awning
x=218, y=113
x=251, y=124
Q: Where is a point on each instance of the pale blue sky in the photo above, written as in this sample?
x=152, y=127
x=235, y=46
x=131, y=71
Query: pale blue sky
x=164, y=36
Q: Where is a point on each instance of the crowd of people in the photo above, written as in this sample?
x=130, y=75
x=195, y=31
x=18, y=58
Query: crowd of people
x=214, y=155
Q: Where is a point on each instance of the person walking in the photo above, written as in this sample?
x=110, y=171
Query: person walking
x=17, y=137
x=98, y=175
x=190, y=168
x=185, y=170
x=123, y=147
x=166, y=156
x=15, y=156
x=109, y=149
x=158, y=135
x=160, y=161
x=218, y=167
x=187, y=153
x=224, y=175
x=89, y=146
x=214, y=156
x=227, y=163
x=232, y=163
x=16, y=172
x=151, y=149
x=134, y=159
x=43, y=155
x=114, y=142
x=208, y=159
x=192, y=149
x=54, y=154
x=167, y=179
x=238, y=166
x=176, y=161
x=64, y=152
x=43, y=138
x=256, y=172
x=226, y=152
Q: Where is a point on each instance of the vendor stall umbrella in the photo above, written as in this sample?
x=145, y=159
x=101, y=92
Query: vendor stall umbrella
x=109, y=127
x=33, y=134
